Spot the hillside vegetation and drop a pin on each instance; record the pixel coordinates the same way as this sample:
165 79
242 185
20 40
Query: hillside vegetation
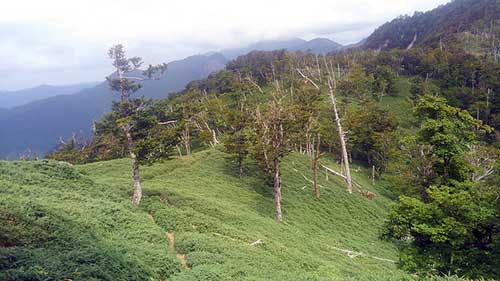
449 26
59 221
57 224
228 176
407 116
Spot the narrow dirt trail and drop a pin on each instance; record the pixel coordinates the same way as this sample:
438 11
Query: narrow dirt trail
171 243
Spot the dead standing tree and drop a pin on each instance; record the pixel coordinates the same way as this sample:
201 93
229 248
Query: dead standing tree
332 90
186 138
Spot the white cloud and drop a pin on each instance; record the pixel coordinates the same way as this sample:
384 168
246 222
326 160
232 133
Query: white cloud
37 38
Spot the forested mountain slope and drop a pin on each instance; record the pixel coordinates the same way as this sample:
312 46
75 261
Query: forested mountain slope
442 25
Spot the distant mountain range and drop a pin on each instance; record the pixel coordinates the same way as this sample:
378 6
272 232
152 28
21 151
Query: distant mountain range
9 99
36 118
317 46
37 126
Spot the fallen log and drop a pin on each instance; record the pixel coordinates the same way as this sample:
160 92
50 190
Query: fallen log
357 185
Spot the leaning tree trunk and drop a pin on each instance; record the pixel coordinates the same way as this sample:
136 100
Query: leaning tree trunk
277 190
137 195
332 88
345 156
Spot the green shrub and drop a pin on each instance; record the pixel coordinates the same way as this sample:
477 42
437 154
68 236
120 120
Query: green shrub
197 258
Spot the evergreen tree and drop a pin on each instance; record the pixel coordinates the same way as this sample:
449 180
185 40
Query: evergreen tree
128 112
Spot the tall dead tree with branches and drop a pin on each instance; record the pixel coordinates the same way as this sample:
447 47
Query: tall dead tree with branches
331 81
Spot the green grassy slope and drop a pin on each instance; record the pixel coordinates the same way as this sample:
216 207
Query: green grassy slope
56 223
401 105
215 216
59 221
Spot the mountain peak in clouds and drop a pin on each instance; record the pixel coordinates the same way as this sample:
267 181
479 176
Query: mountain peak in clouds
264 45
319 46
316 46
268 45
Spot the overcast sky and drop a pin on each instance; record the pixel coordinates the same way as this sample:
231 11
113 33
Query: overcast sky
65 41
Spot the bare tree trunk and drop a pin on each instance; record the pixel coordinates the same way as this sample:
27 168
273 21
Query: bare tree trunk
179 150
214 138
277 190
373 174
214 141
332 86
137 195
186 139
345 157
315 165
